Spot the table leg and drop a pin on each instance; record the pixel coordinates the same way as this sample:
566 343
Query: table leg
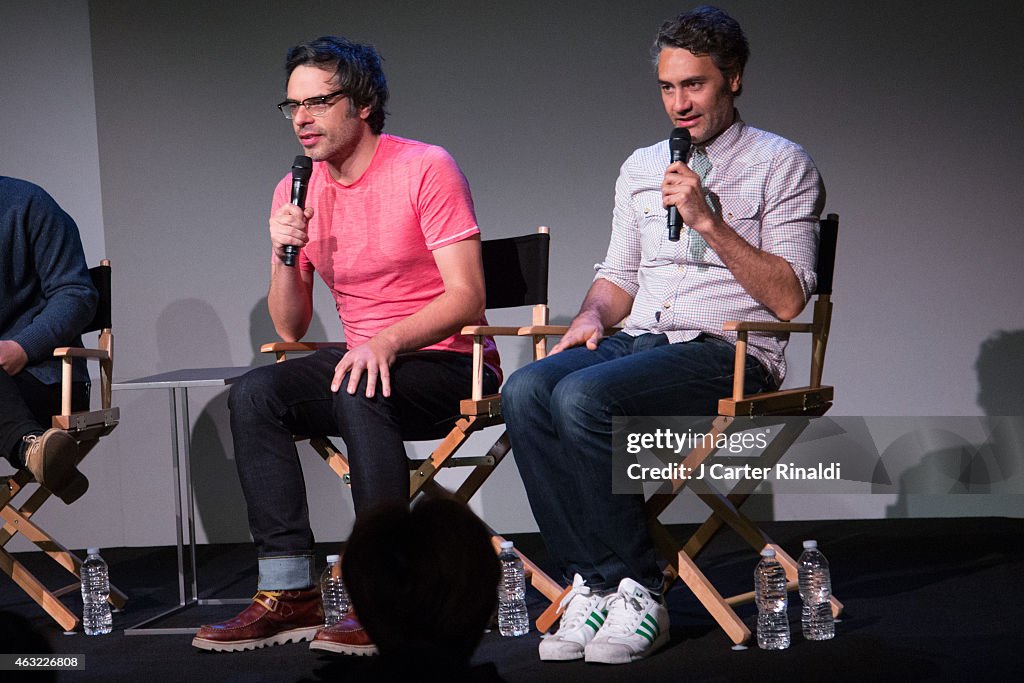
185 599
190 509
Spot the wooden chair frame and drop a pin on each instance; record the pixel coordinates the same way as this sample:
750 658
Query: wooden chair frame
808 401
476 412
86 427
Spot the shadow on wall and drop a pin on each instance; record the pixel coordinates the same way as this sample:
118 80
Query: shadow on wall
1000 368
988 474
190 334
261 331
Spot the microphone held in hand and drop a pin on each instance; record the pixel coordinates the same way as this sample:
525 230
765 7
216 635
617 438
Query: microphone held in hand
302 169
678 145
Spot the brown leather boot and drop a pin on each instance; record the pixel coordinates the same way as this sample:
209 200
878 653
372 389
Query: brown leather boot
52 458
345 637
273 618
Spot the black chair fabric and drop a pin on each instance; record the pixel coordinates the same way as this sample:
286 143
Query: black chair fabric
101 281
516 270
829 234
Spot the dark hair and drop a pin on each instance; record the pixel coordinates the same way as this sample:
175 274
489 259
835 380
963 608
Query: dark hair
357 71
707 31
423 582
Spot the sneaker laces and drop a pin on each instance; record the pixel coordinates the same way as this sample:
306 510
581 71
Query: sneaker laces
621 620
573 614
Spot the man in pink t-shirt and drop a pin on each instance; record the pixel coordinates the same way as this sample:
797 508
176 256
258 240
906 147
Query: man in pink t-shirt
389 226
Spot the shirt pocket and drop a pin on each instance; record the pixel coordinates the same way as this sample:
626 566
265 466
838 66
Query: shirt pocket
655 248
744 216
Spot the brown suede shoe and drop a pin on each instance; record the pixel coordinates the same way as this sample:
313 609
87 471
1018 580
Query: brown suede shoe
273 618
52 457
347 637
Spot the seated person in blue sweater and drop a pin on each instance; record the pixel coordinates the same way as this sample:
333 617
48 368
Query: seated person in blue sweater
46 298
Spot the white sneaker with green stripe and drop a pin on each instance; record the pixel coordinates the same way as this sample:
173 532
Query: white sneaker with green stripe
583 616
636 626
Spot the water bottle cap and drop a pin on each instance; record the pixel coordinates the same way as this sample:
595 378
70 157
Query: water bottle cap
505 545
92 551
810 544
331 559
768 552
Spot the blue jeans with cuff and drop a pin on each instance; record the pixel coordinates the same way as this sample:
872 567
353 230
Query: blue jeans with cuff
559 414
270 404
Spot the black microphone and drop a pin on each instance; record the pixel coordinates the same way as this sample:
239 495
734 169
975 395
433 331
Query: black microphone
302 169
678 145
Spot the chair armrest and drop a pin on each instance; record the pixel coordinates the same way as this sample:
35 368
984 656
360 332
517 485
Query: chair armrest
555 330
754 326
66 354
548 330
489 330
75 352
284 347
742 327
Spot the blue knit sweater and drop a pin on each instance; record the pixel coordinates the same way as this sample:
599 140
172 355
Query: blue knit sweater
46 295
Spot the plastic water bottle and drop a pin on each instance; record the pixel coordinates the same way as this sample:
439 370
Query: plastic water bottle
770 595
513 619
815 592
333 591
96 619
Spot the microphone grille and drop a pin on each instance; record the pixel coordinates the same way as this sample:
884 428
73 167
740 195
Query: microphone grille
679 140
302 167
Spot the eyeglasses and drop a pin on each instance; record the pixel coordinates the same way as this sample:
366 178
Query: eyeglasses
316 106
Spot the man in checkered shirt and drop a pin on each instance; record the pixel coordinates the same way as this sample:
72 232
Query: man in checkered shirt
747 252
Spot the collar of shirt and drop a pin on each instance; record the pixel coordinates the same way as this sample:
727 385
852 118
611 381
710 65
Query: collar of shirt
720 148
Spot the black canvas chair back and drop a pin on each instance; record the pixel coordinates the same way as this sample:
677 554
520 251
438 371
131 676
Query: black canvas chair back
516 270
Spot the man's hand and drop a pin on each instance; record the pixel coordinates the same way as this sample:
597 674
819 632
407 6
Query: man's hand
768 278
681 188
12 357
288 227
374 358
585 328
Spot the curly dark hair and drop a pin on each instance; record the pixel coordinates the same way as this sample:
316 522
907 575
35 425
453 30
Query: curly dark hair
707 31
357 71
424 582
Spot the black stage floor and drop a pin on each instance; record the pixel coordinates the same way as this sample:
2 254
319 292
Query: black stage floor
934 599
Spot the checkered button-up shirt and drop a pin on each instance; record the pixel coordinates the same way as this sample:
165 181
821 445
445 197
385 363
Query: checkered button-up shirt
765 187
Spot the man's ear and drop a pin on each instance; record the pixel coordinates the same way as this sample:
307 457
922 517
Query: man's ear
735 83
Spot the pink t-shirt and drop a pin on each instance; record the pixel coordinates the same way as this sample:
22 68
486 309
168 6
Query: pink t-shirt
371 241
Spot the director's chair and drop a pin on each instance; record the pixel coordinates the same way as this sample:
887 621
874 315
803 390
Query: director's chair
516 275
798 405
86 427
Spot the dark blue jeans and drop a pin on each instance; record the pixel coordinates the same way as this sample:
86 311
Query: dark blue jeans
559 415
270 404
27 406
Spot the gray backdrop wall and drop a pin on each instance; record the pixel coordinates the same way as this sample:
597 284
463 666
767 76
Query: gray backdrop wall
153 124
